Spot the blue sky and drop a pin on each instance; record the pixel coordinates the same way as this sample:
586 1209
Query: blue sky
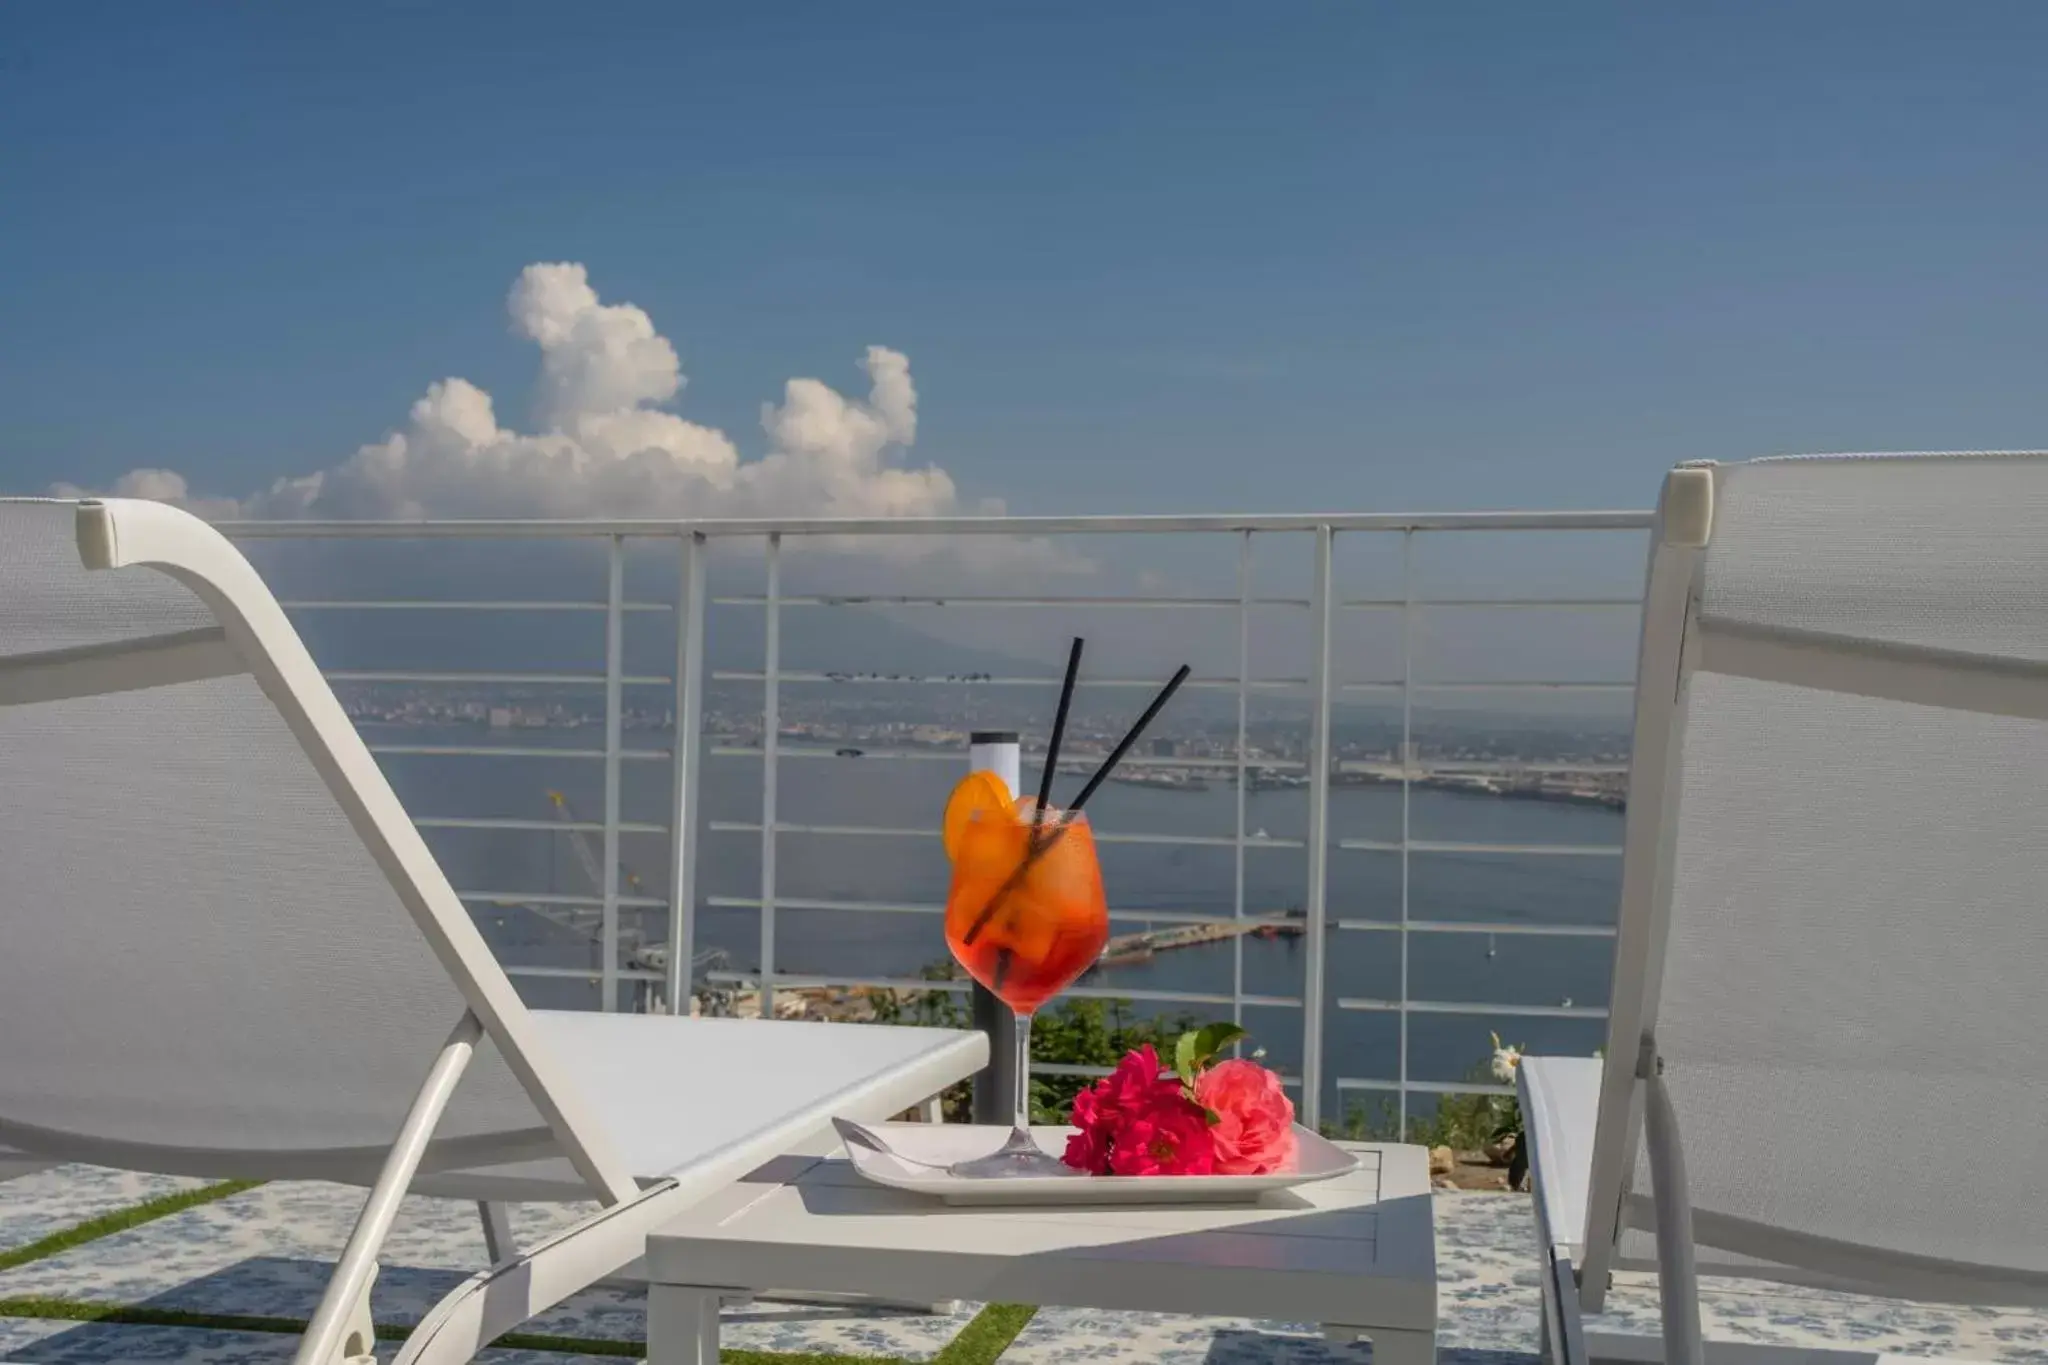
1141 257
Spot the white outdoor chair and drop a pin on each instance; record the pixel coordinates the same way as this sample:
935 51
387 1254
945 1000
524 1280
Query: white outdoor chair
226 952
1828 976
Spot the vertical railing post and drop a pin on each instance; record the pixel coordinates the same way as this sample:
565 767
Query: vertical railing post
1407 787
685 764
771 728
1318 831
1244 666
994 1099
614 672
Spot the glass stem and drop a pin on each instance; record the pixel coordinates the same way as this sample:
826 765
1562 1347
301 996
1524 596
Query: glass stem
1023 1127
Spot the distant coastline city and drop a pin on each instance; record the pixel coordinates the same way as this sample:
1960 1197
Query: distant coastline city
1543 759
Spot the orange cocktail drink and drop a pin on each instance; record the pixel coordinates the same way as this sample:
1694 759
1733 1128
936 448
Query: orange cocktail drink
1026 914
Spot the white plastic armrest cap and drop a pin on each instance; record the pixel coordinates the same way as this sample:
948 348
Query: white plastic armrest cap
1688 510
94 527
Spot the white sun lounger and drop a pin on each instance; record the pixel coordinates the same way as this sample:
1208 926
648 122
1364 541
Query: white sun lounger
226 952
1831 973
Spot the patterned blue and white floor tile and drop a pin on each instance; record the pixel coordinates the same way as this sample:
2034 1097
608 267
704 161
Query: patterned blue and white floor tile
1487 1310
266 1252
26 1341
36 1205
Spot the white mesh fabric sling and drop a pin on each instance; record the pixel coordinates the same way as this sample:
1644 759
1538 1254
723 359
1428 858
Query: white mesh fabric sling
1834 918
229 953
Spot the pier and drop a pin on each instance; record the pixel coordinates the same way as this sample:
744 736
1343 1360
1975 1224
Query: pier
1140 947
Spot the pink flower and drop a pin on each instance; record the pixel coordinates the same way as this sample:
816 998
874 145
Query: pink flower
1137 1121
1171 1138
1088 1149
1138 1081
1254 1129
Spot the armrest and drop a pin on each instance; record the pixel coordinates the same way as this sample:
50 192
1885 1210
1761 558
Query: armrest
1560 1101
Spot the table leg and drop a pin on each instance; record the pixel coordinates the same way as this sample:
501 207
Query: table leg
1401 1348
498 1244
682 1325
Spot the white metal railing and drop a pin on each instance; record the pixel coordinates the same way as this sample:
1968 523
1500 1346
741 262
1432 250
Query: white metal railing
686 684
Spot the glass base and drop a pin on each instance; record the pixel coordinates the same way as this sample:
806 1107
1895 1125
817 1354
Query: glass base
1017 1158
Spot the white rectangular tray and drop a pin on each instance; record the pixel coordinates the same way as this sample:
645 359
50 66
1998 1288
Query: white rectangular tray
945 1143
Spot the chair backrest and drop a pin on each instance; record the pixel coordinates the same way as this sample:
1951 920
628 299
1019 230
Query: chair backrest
218 933
1835 909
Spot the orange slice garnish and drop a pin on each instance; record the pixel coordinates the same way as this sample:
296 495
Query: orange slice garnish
980 792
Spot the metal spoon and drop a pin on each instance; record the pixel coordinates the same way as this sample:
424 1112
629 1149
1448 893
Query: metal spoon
860 1135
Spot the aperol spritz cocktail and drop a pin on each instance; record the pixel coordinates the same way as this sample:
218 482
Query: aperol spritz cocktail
1025 917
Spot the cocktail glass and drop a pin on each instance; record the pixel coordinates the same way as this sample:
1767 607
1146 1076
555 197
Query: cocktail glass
1026 915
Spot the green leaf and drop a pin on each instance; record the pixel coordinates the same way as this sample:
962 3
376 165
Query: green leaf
1212 1039
1184 1060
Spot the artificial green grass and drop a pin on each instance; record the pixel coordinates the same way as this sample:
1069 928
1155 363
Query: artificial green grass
120 1220
980 1342
72 1310
988 1336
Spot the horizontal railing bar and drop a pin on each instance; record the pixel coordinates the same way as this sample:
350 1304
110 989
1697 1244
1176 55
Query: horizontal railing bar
463 529
1490 927
990 680
1391 774
938 600
899 832
1426 1087
1253 917
981 600
935 908
1074 765
452 604
1524 685
1372 1005
1533 850
939 526
1039 1068
853 831
825 903
1181 997
539 826
1424 685
1521 767
590 974
557 898
512 751
1459 846
459 676
801 980
1518 603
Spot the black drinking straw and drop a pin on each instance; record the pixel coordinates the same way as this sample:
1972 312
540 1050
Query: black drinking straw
1059 730
1052 763
1038 849
1123 746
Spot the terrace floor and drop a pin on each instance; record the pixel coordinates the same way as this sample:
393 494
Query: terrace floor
99 1266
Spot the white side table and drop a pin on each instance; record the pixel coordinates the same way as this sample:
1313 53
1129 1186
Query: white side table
1357 1254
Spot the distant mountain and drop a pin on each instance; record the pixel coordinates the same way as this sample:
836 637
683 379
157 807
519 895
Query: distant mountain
560 634
844 640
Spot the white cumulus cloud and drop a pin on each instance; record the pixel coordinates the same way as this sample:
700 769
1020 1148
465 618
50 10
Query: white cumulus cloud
605 444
